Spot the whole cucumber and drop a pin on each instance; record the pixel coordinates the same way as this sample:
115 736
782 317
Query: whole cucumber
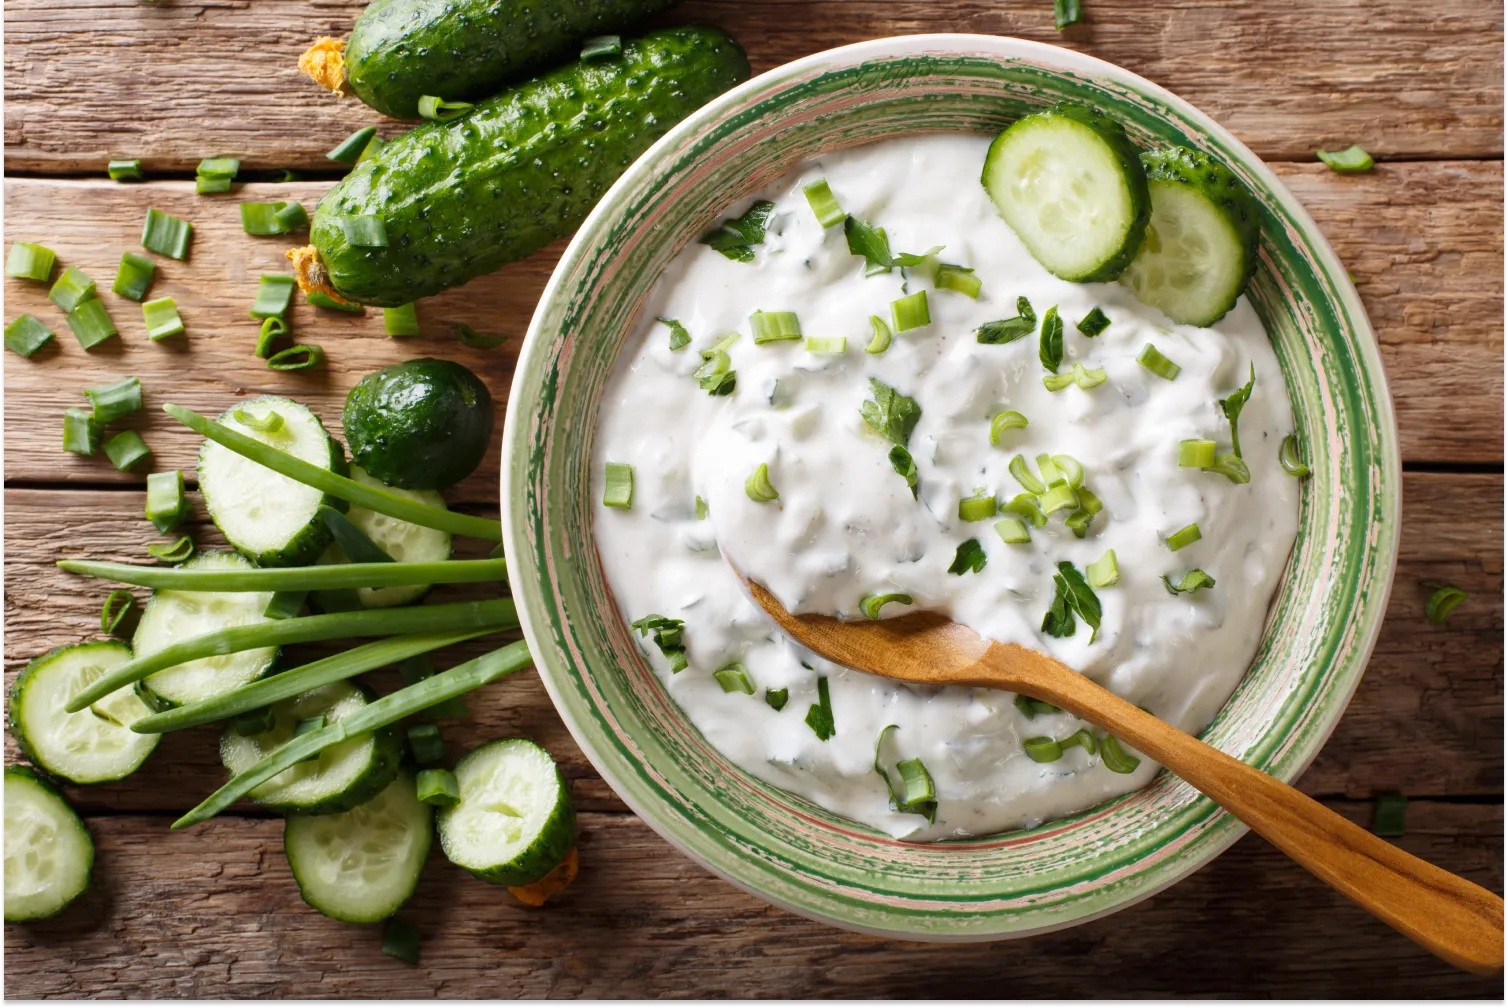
401 50
461 198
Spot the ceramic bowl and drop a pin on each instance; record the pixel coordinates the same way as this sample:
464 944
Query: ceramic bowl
1320 629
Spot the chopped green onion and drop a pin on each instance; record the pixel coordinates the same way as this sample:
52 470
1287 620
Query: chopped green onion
1094 323
134 276
1104 572
1059 498
119 608
432 107
734 678
290 216
1066 12
973 509
917 794
1190 582
401 321
426 743
1388 815
269 423
826 344
701 509
1115 757
470 337
297 358
1057 382
1288 457
81 431
400 940
215 175
1009 420
364 230
969 558
166 235
30 262
1012 531
680 338
172 553
771 327
823 203
910 312
880 341
263 219
1070 469
437 787
1084 377
1032 707
819 716
871 605
777 698
126 449
1042 749
1442 603
372 149
274 295
72 289
162 318
115 400
1196 453
1022 471
618 489
91 324
1027 507
165 501
667 637
1050 343
1232 468
349 149
1352 159
26 335
319 299
1078 523
274 328
1186 536
917 782
125 170
598 46
758 485
1051 474
254 722
736 237
1153 360
957 278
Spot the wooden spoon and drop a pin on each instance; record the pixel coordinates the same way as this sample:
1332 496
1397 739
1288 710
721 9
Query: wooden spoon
1457 920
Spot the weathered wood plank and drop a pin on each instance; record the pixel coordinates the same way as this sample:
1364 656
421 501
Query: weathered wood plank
91 79
214 912
1423 240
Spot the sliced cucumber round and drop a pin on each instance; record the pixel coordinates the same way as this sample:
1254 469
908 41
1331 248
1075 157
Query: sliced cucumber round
1201 244
404 541
361 866
339 778
49 854
172 616
267 516
94 745
514 821
1069 183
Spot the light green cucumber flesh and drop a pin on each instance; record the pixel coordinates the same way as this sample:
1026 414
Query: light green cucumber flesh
49 854
1193 264
404 541
514 821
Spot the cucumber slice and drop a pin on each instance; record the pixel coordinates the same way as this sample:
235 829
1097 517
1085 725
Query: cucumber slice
361 866
49 854
401 540
514 821
172 616
339 778
1201 244
94 745
1070 185
267 516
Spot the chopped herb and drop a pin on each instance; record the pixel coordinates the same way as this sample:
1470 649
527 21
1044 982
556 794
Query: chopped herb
118 613
819 716
772 327
1104 572
91 324
134 276
437 787
1196 453
291 216
470 337
1023 323
166 505
1043 748
1066 12
1085 378
826 344
297 358
125 170
667 637
72 289
957 278
262 218
1442 603
26 335
1031 707
866 240
1050 345
902 462
737 236
401 321
820 196
1231 467
126 449
880 341
161 318
1152 359
274 328
1027 507
1094 323
1079 595
758 486
1009 420
351 147
1115 757
172 553
274 295
1186 536
777 698
618 489
734 678
1290 459
214 175
1012 531
1190 582
679 337
81 431
30 262
1021 469
1352 159
871 605
917 794
969 558
910 312
166 235
115 400
890 414
268 423
980 508
1232 405
432 107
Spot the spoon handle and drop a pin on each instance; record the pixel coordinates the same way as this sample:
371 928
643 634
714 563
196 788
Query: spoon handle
1457 920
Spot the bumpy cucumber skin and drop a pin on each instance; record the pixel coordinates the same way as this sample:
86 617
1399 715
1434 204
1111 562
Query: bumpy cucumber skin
1220 186
548 849
26 777
461 198
423 424
459 50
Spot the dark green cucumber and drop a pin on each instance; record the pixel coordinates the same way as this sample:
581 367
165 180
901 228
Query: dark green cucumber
461 198
459 50
421 425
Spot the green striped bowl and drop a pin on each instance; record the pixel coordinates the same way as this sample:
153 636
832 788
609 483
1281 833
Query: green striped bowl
786 850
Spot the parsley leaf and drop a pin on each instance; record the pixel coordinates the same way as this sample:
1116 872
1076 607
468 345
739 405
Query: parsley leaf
737 236
1072 595
1232 406
819 716
1011 329
1094 323
970 558
1050 348
1058 620
1190 582
913 773
679 337
904 464
890 414
866 240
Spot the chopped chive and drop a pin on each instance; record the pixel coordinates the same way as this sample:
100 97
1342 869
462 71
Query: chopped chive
1012 531
1088 501
957 278
917 785
618 489
910 312
297 358
290 216
432 107
1026 507
165 501
758 485
1153 360
820 196
274 328
1196 453
115 400
598 46
162 318
30 262
1042 749
1232 467
214 175
1078 523
1115 757
1059 498
1009 420
1050 342
470 337
125 170
1442 603
1023 323
1388 815
172 553
734 678
1066 12
1051 475
26 335
879 342
1083 738
1186 536
72 289
826 344
1094 323
917 794
364 230
166 235
91 323
349 149
134 276
261 218
81 431
1070 469
969 558
1190 582
437 787
269 423
1057 382
116 615
1352 159
319 299
772 327
274 295
126 449
401 941
871 605
973 509
1021 469
401 321
680 338
1289 458
426 743
1104 572
1087 378
819 716
1032 707
777 698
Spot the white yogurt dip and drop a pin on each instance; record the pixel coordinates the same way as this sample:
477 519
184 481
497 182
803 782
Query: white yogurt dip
845 524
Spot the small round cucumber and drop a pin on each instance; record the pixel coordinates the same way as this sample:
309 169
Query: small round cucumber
421 425
514 821
94 745
49 854
1070 185
404 541
360 866
1201 244
339 778
172 616
267 516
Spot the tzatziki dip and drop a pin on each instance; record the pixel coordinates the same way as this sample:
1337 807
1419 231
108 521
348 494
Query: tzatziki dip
865 441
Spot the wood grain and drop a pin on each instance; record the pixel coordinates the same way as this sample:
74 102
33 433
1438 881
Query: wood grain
213 912
173 82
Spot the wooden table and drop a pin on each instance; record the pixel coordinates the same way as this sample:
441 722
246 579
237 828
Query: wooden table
213 912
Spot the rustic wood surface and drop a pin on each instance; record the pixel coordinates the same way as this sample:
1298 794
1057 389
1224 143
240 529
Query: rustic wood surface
212 912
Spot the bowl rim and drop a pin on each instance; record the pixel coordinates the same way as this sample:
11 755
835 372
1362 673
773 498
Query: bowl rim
1224 829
